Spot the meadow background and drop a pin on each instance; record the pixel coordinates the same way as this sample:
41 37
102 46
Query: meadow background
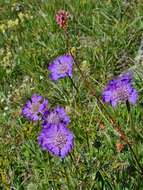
105 36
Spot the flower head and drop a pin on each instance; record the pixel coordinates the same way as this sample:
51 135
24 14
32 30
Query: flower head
55 117
61 67
62 19
35 107
120 90
58 140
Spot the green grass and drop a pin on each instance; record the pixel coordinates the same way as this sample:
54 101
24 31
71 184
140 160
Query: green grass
106 35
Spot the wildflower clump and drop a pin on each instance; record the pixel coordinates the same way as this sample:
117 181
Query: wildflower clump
23 16
2 28
54 137
9 25
12 23
7 61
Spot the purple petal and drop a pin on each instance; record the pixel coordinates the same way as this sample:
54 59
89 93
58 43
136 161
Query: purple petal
120 90
36 98
43 106
133 97
127 77
50 138
106 96
35 107
114 103
61 61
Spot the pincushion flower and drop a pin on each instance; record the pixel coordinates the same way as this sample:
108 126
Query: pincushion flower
120 90
62 19
55 117
35 107
58 140
61 67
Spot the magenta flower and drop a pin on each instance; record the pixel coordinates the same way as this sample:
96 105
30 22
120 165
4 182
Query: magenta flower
120 90
58 140
35 107
55 117
62 19
61 67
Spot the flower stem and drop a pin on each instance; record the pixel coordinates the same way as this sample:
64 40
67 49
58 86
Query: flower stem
72 82
53 181
128 106
136 159
67 39
66 175
133 133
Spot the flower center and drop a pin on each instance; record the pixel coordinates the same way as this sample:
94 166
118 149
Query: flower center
35 107
63 68
121 94
60 140
63 17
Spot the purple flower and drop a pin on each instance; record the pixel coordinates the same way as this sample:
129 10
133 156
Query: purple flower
61 67
120 90
58 140
55 117
35 107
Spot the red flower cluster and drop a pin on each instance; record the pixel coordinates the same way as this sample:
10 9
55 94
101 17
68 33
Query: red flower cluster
62 19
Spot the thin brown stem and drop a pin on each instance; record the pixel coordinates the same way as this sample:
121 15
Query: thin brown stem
67 39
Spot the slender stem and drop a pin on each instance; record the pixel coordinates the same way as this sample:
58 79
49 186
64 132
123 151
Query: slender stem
87 139
130 118
128 106
66 175
74 161
134 132
87 83
136 159
50 164
67 39
72 82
